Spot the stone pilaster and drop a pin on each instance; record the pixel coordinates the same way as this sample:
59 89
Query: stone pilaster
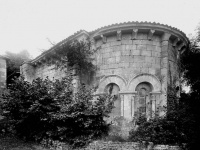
164 70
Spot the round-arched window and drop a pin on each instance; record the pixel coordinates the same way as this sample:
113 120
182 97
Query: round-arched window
113 89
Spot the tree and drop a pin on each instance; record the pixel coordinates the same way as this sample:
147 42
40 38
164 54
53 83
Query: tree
191 75
14 62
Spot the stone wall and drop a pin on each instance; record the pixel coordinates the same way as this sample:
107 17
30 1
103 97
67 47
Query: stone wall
3 74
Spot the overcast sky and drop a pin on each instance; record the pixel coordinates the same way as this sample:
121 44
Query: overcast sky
28 24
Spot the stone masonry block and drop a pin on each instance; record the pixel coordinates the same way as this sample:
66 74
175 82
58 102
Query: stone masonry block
155 54
116 48
111 60
123 47
130 47
151 47
131 59
113 66
149 59
124 58
158 49
136 70
111 38
156 43
127 42
155 65
139 58
118 59
135 52
147 65
165 43
126 36
117 53
142 36
163 65
145 53
114 43
126 52
157 61
141 47
106 55
144 70
164 48
164 53
156 38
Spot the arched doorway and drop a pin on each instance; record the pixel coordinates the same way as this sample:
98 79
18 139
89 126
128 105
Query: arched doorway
142 100
113 89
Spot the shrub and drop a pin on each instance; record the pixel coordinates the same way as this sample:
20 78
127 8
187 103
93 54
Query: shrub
51 110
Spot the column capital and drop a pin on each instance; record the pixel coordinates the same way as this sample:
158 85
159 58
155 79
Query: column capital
119 35
134 34
104 40
150 35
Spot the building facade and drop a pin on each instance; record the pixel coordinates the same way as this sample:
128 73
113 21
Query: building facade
136 62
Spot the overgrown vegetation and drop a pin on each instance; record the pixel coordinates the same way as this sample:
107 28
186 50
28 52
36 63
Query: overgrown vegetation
47 110
74 54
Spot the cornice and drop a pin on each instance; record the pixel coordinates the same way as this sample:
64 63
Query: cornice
139 25
134 25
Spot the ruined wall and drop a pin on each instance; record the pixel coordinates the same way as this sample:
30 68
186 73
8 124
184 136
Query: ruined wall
3 74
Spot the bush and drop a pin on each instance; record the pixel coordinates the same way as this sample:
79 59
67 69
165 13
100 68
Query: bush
47 110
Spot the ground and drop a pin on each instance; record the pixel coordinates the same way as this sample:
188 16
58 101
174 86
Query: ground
12 143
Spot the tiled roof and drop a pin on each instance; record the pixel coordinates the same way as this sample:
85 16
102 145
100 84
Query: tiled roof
137 23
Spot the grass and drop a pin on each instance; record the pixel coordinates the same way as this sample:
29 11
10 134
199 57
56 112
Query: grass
9 142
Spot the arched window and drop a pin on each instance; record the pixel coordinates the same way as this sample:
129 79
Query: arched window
113 89
142 101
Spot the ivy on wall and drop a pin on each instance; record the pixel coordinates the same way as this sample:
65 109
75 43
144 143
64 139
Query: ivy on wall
73 55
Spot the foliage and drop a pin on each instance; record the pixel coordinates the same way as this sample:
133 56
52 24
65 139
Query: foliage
166 129
51 110
160 130
191 73
74 54
14 62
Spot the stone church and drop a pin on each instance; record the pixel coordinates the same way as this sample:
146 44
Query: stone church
136 61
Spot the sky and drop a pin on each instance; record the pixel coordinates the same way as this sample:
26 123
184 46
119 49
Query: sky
33 25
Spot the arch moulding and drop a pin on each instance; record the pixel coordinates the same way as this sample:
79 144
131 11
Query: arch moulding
121 82
153 80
